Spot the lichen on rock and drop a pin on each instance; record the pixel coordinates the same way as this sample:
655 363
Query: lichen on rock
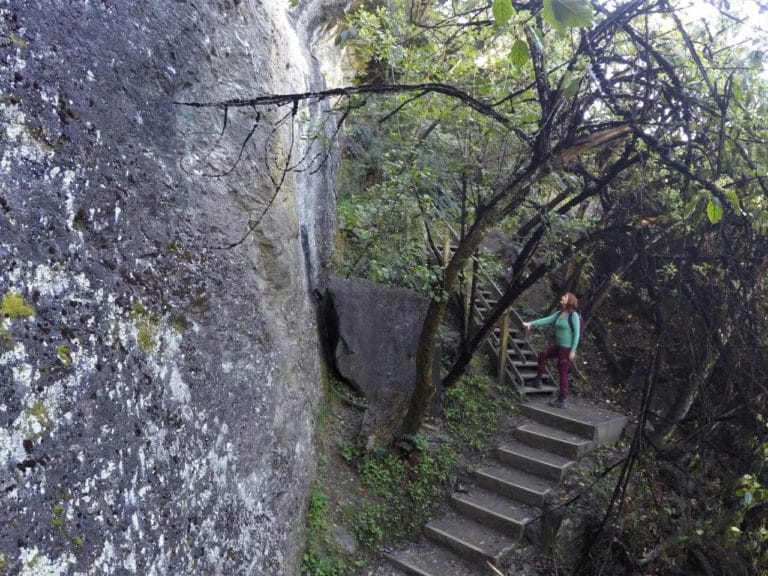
13 306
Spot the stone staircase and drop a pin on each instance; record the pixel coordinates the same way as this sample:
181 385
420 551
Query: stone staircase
507 495
489 517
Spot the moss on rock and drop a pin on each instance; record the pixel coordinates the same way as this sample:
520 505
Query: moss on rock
14 306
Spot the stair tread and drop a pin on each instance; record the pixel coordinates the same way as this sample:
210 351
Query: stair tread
544 389
430 559
498 504
556 433
488 542
517 447
517 477
579 412
596 423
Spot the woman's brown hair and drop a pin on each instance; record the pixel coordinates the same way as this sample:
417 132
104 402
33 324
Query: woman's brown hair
571 302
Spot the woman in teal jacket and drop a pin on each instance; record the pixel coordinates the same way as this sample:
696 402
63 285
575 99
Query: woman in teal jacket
567 330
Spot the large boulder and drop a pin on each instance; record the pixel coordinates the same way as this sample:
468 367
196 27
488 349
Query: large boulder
159 365
373 332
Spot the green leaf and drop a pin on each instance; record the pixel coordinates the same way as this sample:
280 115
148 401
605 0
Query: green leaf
569 86
520 54
714 211
731 194
562 14
502 11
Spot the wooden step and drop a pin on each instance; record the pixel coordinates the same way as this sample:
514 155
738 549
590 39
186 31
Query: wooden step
597 424
534 460
553 440
545 390
513 333
492 509
516 484
469 539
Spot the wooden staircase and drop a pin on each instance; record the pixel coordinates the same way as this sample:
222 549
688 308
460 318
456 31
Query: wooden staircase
486 520
516 358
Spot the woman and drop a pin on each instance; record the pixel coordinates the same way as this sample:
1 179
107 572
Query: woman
567 330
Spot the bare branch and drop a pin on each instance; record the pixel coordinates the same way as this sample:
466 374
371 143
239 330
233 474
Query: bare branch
282 99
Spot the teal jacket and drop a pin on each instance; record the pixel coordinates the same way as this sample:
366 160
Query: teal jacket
564 336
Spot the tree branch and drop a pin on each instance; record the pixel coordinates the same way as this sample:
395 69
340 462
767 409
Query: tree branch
282 99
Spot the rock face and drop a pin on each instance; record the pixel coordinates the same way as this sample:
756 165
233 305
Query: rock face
373 332
159 365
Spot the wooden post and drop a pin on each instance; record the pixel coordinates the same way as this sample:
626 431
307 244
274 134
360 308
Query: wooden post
446 247
467 297
503 346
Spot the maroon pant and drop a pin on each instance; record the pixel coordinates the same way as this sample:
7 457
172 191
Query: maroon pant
563 365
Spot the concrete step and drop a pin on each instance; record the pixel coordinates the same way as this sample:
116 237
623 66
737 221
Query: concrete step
516 484
492 509
553 440
534 460
597 424
469 539
431 559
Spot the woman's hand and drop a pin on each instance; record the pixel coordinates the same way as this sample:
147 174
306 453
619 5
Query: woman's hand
527 325
572 355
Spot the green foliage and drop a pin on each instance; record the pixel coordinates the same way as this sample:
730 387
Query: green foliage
369 524
520 54
383 472
562 14
432 473
13 306
404 492
714 211
751 537
321 558
472 411
502 11
349 451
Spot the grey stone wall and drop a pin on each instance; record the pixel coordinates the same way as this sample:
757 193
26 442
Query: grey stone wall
158 356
